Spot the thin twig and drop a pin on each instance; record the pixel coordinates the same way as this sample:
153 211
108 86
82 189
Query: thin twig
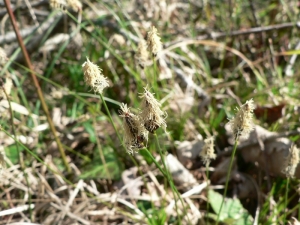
36 84
219 35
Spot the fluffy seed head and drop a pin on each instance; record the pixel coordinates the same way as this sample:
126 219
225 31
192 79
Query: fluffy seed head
58 4
93 77
141 55
76 5
207 152
7 86
134 133
242 124
291 162
152 116
153 41
3 56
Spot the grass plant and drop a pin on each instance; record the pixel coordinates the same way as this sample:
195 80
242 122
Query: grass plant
84 145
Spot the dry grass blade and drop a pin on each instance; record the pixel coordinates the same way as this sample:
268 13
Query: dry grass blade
16 210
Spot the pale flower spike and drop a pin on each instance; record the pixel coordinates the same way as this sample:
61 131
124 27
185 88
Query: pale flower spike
134 133
152 116
3 56
76 5
207 153
291 162
142 54
58 4
153 41
93 77
242 124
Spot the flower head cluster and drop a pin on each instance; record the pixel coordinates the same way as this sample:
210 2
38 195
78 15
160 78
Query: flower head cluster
137 127
93 77
58 4
152 116
241 124
76 5
153 41
134 133
207 152
291 162
141 55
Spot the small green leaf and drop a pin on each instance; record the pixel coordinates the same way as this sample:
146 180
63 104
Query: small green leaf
219 118
292 52
108 171
89 128
145 156
12 153
232 211
96 169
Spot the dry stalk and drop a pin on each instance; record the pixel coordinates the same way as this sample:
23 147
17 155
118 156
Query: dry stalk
36 84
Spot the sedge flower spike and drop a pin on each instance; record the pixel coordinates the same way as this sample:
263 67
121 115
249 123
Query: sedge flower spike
3 56
134 133
207 152
58 4
93 77
142 55
242 124
291 162
153 41
152 116
76 5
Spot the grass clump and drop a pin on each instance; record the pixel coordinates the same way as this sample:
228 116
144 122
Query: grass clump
103 158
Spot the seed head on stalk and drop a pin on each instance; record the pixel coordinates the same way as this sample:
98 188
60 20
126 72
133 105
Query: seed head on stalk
242 123
152 116
93 77
134 133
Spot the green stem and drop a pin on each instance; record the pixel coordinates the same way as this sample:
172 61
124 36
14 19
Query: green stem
298 211
36 157
170 180
101 154
120 139
207 202
286 199
228 177
21 162
37 85
111 121
154 161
